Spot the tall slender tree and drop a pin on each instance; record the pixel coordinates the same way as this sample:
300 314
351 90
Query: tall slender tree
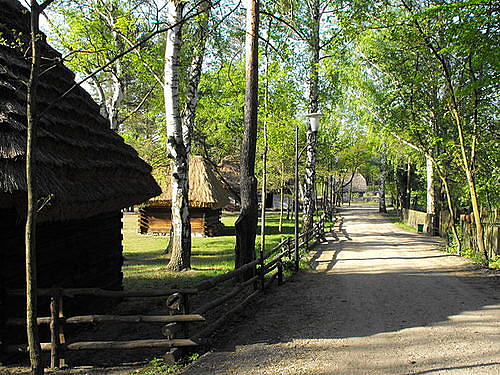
31 216
32 195
181 239
246 224
310 170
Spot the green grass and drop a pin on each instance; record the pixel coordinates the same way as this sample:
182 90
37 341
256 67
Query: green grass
157 367
392 216
145 265
405 226
495 264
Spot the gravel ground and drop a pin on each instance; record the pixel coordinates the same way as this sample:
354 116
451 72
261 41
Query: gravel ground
382 301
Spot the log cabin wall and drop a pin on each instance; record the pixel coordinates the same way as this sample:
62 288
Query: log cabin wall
157 220
70 254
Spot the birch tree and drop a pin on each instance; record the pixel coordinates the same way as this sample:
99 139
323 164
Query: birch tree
92 34
310 170
383 175
181 227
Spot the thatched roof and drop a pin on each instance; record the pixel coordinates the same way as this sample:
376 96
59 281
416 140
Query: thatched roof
85 165
358 183
205 189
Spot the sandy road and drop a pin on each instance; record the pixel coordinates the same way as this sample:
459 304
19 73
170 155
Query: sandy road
383 301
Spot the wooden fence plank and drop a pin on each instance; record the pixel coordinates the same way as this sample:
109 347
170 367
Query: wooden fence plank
116 319
99 345
103 293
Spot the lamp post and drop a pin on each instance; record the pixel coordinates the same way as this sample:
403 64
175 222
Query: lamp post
314 124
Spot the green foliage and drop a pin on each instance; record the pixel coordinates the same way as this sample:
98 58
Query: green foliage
219 118
416 59
157 366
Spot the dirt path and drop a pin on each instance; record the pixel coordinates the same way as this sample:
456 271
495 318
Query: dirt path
383 301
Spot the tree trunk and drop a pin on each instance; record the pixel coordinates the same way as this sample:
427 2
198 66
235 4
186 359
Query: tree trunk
350 191
246 225
472 187
451 212
31 215
408 184
288 200
264 188
282 210
310 170
181 240
194 75
381 191
431 196
115 102
264 156
117 96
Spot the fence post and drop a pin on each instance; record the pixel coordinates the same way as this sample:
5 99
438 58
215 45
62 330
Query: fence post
177 304
62 339
54 330
280 272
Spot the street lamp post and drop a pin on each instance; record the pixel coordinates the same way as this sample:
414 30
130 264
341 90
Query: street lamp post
314 124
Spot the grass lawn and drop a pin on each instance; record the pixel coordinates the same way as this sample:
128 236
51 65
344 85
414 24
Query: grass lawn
145 261
394 217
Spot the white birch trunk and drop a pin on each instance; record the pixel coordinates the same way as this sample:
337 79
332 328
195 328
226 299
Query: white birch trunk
431 199
116 99
381 191
115 102
181 240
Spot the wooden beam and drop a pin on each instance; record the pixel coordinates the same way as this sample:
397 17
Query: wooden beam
103 293
115 319
118 345
210 283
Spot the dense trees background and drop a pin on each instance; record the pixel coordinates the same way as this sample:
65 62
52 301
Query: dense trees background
409 90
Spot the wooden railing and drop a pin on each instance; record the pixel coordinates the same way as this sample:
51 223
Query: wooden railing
268 268
57 321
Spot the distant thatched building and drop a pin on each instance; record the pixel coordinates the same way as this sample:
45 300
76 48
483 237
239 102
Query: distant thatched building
84 170
207 197
356 185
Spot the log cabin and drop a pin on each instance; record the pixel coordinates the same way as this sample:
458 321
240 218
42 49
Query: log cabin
83 171
207 197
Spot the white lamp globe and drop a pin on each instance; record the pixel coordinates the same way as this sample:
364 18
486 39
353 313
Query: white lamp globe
314 120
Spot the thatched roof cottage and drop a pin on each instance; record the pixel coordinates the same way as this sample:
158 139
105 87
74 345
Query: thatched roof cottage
85 168
358 183
207 197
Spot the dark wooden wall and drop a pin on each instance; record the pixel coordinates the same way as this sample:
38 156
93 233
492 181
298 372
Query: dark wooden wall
70 254
157 219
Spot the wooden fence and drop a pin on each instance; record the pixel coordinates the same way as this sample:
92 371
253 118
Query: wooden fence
179 315
466 224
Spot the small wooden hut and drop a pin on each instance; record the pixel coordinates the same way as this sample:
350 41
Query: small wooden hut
207 197
83 171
